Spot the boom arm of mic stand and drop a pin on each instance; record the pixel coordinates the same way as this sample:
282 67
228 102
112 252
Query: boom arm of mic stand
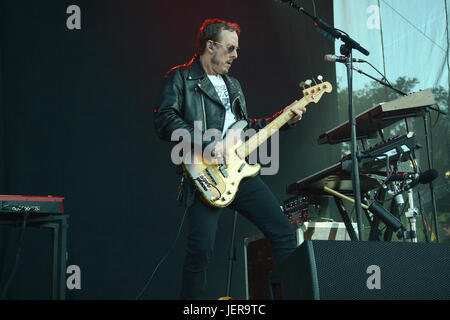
379 81
350 43
333 33
336 34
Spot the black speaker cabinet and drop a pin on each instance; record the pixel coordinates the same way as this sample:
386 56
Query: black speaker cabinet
258 254
361 270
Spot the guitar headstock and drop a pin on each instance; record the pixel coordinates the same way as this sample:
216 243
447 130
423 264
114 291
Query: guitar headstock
315 93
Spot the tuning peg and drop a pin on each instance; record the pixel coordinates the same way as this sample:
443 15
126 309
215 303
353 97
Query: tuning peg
308 82
315 83
302 85
320 78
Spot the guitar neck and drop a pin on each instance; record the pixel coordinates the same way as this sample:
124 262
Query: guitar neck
311 94
259 138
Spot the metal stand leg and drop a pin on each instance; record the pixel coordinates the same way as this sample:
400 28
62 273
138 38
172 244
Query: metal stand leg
59 257
430 166
346 219
55 278
59 226
62 241
232 255
347 51
425 231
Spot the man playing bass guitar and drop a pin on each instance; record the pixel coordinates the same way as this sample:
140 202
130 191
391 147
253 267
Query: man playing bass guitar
202 90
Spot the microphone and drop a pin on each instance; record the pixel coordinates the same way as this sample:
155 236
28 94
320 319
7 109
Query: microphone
425 178
335 58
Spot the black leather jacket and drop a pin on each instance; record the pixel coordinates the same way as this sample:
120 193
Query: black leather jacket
188 95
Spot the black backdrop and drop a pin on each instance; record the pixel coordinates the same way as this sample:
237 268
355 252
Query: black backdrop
76 121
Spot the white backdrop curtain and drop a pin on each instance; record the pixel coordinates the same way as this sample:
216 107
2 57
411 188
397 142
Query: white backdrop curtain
409 40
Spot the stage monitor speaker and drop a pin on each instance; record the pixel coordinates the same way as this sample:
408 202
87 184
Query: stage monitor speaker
361 270
258 254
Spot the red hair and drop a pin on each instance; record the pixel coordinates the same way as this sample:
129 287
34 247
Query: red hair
211 29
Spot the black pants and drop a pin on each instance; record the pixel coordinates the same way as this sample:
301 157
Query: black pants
256 202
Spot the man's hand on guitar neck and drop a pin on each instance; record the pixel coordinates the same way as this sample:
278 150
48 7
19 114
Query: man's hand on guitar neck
298 113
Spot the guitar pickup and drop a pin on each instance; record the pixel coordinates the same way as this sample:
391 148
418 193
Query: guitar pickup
204 183
212 175
223 170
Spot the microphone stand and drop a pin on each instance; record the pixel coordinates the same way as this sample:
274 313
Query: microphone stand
430 166
346 49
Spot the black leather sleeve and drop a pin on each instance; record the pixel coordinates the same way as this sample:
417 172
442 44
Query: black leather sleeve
168 115
258 124
168 112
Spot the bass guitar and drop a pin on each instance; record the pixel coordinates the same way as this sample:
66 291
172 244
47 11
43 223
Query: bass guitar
218 183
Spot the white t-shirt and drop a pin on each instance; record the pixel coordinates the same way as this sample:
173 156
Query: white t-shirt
222 91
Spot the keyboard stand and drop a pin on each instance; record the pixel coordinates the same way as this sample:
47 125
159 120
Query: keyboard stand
58 223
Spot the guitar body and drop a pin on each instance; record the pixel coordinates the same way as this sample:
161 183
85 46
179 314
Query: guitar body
218 184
